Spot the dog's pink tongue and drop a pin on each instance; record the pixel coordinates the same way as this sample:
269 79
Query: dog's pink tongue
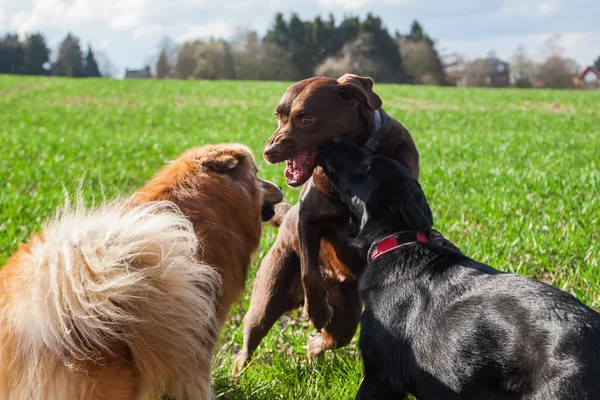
299 168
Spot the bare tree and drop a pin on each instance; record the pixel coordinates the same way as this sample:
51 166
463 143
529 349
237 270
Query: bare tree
105 65
421 61
523 68
163 69
205 60
186 61
455 66
477 73
356 57
258 60
168 50
551 47
557 72
215 61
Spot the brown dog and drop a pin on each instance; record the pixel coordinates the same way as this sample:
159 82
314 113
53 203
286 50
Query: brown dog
125 301
311 261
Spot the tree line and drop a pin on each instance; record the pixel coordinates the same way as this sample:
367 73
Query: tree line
31 56
294 49
555 70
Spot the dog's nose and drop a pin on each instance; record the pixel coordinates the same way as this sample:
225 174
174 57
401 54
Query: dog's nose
272 153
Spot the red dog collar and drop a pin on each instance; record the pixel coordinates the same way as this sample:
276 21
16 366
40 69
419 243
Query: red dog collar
393 242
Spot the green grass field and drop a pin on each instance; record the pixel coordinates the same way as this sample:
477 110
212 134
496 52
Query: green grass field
512 177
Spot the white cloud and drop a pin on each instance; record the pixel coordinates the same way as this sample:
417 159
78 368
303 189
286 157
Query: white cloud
2 15
123 14
344 4
146 31
104 44
547 8
217 29
125 21
44 13
82 10
398 1
537 8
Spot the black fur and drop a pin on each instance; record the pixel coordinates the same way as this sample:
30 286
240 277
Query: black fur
440 325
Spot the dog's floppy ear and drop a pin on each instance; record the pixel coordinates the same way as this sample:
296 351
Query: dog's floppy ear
353 87
415 208
221 163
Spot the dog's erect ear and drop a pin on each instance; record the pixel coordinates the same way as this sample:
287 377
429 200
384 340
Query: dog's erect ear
221 163
353 87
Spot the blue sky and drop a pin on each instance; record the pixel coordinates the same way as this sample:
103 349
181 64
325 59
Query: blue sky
128 31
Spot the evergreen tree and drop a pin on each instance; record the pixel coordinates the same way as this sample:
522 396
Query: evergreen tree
416 31
91 67
384 47
597 63
278 34
12 55
420 56
70 58
309 43
349 29
36 54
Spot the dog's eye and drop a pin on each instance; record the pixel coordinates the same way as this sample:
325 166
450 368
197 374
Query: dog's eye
306 120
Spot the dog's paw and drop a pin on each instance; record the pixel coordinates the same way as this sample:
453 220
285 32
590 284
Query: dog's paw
315 345
239 363
320 316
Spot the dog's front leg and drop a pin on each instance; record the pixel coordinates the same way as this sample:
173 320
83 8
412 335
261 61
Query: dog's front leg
377 390
316 305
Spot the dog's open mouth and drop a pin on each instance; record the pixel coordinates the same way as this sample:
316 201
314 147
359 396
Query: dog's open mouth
300 168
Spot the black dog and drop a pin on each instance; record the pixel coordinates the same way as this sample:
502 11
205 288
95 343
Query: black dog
440 325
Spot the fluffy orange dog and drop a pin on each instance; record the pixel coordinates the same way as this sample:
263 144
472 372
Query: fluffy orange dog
125 301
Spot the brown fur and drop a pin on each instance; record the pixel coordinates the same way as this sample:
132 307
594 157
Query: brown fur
218 191
311 261
229 233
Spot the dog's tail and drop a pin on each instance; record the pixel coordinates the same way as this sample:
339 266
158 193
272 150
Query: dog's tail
119 276
281 210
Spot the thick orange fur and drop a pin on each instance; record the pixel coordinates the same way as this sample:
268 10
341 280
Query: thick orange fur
118 302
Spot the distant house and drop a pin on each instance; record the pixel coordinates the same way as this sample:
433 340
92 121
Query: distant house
488 72
589 78
138 73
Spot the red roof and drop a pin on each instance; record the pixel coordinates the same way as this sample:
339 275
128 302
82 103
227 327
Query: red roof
585 71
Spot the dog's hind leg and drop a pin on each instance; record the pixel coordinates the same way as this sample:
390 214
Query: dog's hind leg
277 289
347 307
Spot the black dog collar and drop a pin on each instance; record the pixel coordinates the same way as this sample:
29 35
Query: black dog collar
394 242
373 142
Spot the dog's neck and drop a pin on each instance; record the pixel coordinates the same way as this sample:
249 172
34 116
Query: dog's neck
406 264
395 242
